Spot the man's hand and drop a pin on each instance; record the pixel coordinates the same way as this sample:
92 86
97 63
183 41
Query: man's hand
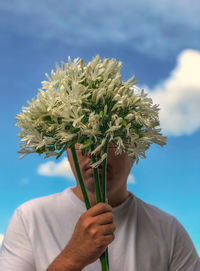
93 232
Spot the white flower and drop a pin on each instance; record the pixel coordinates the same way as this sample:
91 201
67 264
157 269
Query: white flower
89 102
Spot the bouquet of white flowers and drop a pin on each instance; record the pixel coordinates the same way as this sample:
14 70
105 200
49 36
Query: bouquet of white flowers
90 105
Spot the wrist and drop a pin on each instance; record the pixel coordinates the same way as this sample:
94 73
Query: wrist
70 263
64 263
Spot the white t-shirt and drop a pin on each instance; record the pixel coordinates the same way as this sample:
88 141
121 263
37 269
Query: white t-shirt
146 238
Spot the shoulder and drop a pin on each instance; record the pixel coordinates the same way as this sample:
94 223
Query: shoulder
155 220
40 205
165 233
152 212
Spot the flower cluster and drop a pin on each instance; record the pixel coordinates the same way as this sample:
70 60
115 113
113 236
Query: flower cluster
89 104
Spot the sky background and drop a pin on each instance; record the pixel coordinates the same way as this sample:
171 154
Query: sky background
157 41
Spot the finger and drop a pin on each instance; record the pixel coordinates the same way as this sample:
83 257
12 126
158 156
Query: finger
103 219
107 239
99 208
108 229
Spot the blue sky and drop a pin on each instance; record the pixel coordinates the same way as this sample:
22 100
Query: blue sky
158 42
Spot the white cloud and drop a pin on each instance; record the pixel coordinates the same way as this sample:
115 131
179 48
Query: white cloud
1 239
131 179
121 22
179 96
53 169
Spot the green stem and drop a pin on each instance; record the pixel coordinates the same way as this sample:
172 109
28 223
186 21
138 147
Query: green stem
104 256
96 178
104 175
80 179
107 258
104 181
104 265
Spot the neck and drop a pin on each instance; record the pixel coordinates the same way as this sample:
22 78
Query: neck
115 198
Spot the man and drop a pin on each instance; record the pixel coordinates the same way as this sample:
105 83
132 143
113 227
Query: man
57 233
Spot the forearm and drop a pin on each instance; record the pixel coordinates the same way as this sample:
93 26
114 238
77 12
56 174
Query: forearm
63 263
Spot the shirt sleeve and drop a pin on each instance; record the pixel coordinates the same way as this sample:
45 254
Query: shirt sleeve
16 252
184 256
